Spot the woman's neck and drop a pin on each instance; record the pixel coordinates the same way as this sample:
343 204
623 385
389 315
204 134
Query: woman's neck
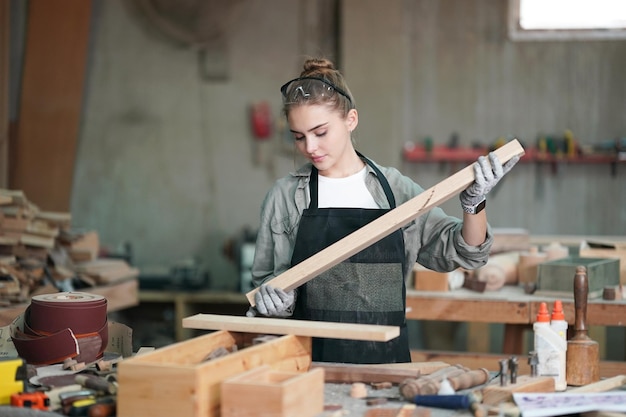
346 167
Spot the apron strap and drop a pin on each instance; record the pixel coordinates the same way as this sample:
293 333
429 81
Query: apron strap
383 181
381 178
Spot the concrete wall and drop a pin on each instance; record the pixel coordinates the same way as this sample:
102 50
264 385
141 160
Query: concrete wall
166 160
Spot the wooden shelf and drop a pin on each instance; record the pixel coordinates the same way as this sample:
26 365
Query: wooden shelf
119 296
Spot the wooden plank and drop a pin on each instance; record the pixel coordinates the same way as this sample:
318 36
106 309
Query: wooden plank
603 385
495 394
5 25
51 99
297 327
383 226
389 372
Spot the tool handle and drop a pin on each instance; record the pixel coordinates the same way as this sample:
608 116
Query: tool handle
581 292
449 402
469 379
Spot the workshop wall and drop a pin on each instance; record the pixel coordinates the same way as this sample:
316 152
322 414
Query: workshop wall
166 159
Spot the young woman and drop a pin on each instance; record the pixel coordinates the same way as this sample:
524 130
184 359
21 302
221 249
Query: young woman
338 191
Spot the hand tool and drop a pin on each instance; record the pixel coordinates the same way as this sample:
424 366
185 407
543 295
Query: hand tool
583 356
12 377
513 369
469 402
469 379
96 383
104 407
504 372
36 400
429 384
533 361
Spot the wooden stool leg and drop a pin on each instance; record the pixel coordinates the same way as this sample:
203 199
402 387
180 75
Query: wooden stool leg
513 343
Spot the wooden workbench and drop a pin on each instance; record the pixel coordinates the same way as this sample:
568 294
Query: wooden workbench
120 295
509 306
187 303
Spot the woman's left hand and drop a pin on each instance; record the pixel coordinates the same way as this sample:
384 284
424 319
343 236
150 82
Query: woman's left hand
487 174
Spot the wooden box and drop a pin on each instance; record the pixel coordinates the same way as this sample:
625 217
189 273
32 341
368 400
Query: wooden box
556 278
607 250
263 392
176 380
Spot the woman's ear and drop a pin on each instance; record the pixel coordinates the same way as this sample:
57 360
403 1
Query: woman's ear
352 120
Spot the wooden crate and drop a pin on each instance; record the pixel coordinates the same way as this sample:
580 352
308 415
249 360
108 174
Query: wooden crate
556 278
177 381
607 250
269 393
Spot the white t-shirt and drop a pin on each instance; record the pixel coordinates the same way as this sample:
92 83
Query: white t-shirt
345 192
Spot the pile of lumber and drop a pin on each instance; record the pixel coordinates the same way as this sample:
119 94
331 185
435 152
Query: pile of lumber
41 253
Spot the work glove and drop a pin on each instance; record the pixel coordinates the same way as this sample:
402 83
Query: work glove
486 177
273 302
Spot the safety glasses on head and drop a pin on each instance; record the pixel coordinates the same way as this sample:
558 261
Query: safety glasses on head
310 88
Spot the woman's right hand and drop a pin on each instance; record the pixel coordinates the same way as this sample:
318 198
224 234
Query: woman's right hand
274 302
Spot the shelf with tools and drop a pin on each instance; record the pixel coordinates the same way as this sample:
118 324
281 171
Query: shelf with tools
443 153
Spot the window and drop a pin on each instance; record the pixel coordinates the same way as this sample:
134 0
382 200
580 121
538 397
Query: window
567 19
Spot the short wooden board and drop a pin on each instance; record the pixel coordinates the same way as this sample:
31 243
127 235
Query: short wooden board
310 328
496 394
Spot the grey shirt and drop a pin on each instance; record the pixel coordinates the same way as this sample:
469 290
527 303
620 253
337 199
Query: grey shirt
433 239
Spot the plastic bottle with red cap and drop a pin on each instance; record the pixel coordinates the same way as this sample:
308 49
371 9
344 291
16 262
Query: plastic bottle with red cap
550 348
557 320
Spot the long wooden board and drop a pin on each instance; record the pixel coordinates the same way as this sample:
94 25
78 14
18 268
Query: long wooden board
267 325
383 226
386 372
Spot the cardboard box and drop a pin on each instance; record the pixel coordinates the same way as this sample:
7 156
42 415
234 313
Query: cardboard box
269 393
614 250
178 380
556 278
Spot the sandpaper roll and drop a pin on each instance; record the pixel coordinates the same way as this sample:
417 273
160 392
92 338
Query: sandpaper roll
64 325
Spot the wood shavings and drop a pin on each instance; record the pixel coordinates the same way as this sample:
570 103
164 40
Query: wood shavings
358 390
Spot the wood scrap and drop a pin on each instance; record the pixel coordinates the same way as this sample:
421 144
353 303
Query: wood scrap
602 385
494 393
346 372
500 270
34 247
358 390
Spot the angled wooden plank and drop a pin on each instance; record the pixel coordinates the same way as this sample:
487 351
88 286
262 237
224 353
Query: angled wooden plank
383 226
267 325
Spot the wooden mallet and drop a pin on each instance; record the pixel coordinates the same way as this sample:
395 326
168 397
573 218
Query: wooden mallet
583 359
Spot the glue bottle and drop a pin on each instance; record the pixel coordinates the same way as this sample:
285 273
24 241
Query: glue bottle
550 348
557 320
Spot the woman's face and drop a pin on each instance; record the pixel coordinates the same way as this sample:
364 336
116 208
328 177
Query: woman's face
323 137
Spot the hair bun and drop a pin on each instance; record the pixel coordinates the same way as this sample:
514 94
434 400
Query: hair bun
317 65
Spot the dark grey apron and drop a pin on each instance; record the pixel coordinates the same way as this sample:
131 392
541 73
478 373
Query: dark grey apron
366 288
